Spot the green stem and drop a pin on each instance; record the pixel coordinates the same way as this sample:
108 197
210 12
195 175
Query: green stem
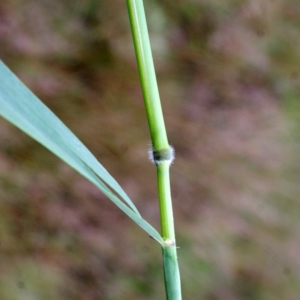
171 268
164 194
147 74
171 273
162 152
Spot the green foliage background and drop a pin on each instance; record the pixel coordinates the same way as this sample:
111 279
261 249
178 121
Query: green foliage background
228 73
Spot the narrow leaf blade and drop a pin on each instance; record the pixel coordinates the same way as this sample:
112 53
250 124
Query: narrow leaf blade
23 109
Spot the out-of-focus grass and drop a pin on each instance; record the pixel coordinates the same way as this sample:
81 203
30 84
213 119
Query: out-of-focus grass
228 76
31 280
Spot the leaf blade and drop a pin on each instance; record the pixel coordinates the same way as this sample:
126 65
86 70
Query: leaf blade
22 108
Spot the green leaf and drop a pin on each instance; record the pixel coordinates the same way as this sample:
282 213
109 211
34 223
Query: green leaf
23 109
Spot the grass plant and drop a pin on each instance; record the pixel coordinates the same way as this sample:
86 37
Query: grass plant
23 109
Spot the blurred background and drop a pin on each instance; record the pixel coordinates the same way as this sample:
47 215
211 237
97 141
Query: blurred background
229 80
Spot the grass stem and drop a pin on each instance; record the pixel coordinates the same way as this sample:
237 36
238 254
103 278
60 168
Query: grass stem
147 74
161 152
164 193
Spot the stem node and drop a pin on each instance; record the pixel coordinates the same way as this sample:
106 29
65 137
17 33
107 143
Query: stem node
163 155
168 243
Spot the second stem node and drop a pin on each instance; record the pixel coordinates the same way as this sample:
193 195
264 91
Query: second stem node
163 155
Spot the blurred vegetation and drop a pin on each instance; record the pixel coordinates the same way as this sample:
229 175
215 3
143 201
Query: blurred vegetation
228 73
